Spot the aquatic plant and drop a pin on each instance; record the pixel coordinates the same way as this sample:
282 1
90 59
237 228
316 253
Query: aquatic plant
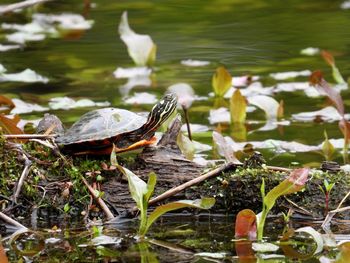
142 192
293 183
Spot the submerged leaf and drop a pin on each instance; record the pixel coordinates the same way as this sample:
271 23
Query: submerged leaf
141 48
221 81
238 107
204 203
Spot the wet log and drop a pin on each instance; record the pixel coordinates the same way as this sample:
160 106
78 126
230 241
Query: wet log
234 189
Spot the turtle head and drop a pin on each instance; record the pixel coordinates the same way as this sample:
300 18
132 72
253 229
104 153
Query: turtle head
160 113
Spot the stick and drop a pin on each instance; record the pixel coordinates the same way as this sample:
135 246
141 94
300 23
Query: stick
27 164
187 120
23 4
11 221
99 200
327 220
192 182
27 136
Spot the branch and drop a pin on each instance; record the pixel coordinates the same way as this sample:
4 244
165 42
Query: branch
27 164
99 200
177 189
20 5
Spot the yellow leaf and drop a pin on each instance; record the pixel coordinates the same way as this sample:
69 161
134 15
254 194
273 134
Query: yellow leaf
238 106
221 81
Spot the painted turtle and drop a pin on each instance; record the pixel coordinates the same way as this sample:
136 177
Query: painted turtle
96 131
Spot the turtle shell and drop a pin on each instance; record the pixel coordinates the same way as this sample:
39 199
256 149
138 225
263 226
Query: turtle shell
101 124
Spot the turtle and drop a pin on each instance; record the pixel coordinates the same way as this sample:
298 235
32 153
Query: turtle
99 131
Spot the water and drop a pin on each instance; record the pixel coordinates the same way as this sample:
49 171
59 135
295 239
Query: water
248 37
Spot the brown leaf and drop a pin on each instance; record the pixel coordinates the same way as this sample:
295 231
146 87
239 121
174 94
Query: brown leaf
8 125
6 102
328 57
317 80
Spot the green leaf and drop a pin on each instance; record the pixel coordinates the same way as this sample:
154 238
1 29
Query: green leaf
186 146
204 203
221 81
327 148
152 180
294 183
238 106
137 187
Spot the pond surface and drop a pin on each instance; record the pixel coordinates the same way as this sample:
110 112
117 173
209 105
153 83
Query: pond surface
255 37
248 37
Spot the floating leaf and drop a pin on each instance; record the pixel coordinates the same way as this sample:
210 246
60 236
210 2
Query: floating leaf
194 63
268 104
221 81
204 203
26 75
141 48
290 74
310 51
245 226
238 106
185 94
323 87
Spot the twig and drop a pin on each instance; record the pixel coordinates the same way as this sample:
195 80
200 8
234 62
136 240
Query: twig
28 136
327 220
11 221
192 182
187 120
23 4
343 200
27 164
99 200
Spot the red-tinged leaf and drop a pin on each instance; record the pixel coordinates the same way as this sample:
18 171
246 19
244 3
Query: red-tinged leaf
238 106
8 125
245 226
221 81
3 257
328 57
344 126
245 252
294 183
317 80
6 102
